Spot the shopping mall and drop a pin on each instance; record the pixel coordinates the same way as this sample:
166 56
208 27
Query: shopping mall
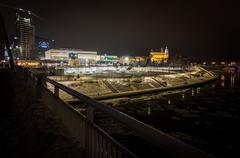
73 56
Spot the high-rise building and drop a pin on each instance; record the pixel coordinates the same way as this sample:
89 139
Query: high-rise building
25 33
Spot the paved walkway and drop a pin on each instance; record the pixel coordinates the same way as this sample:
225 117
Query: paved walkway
27 128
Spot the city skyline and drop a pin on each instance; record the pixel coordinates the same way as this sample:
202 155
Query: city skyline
194 29
109 78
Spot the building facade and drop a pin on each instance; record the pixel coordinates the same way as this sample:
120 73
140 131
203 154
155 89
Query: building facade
159 56
25 33
107 59
77 56
133 60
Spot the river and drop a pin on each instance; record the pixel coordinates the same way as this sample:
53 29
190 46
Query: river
205 117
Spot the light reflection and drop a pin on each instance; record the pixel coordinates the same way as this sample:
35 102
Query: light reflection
169 101
149 110
223 80
222 77
198 90
183 96
223 84
233 76
192 92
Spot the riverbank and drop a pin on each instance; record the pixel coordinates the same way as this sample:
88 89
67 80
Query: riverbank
204 116
175 85
155 90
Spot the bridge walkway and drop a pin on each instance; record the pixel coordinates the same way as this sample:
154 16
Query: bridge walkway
27 128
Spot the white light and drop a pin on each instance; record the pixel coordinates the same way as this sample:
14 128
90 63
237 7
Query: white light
169 101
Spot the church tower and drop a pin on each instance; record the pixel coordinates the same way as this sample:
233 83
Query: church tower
166 50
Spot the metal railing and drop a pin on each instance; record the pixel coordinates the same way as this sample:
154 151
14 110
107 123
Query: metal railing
95 140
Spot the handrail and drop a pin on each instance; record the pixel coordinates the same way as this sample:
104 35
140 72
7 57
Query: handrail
115 150
168 143
153 135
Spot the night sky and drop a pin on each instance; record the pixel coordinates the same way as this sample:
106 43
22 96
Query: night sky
197 28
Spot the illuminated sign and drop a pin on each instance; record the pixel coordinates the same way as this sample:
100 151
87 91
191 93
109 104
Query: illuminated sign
110 57
43 44
73 55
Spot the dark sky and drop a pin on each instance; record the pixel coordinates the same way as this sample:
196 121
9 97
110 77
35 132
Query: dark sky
196 28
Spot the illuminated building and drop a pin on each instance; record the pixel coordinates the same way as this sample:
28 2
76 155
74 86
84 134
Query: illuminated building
42 45
127 60
159 56
28 63
139 59
25 33
79 56
107 59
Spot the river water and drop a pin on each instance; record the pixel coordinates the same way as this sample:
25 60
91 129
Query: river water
206 117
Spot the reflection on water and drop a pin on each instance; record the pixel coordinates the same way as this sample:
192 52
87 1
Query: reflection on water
199 116
222 77
225 78
233 76
198 90
169 101
149 110
192 91
223 83
183 96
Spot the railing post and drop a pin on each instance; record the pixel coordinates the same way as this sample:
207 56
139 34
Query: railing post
24 72
39 85
56 91
90 113
88 140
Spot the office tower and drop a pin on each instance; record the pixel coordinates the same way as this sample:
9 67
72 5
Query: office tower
25 33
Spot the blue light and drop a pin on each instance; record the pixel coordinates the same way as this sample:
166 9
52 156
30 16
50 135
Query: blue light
43 44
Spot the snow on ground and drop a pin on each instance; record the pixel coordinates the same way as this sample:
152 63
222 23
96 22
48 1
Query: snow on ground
112 82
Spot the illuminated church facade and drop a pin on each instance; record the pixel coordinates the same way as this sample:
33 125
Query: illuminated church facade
159 56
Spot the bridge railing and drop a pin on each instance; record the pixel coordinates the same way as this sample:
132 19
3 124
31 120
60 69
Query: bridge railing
94 139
